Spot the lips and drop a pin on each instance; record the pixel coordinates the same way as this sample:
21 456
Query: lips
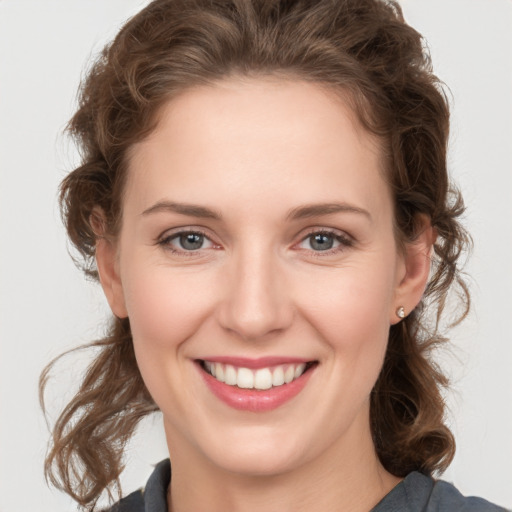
255 385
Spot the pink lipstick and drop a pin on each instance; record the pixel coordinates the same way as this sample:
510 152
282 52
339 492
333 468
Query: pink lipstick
256 385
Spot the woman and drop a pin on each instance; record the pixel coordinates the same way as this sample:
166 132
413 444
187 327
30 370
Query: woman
264 198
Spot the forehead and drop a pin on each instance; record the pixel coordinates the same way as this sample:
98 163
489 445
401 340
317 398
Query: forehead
292 139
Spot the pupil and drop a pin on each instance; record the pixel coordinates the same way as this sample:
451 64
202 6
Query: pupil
191 241
322 242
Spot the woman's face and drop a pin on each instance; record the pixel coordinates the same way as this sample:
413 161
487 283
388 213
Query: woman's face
257 243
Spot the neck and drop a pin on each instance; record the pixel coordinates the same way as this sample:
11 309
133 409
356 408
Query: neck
347 476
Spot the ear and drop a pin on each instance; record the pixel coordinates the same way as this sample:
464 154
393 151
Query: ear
414 269
107 262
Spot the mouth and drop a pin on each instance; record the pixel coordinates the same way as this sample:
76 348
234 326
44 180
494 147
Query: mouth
255 385
260 379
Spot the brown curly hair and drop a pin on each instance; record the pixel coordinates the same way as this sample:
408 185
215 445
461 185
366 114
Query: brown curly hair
362 48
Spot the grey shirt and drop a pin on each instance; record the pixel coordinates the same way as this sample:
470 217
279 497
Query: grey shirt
416 493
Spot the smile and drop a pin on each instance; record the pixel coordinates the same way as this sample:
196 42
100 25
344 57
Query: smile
256 386
263 378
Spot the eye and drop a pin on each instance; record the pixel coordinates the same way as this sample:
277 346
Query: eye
321 241
186 241
325 241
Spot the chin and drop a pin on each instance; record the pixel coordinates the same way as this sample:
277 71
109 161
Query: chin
258 463
262 454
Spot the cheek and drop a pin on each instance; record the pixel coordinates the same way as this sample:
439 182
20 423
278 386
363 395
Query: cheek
350 309
165 307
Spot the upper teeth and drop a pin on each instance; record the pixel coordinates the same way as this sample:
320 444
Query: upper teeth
263 378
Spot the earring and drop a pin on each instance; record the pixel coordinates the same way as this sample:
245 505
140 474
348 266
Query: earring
400 312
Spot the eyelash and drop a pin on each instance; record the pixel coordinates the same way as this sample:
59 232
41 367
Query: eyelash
343 240
166 240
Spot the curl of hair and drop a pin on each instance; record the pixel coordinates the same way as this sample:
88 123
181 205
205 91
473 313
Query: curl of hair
93 429
361 48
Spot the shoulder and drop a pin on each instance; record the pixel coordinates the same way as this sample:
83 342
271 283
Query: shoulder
153 498
446 497
418 492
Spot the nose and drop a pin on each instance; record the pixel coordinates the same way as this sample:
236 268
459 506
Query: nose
257 302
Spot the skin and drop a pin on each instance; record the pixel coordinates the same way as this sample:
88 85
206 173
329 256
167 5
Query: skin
254 151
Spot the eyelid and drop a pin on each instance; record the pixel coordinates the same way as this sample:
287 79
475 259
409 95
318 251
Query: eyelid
173 233
345 240
342 237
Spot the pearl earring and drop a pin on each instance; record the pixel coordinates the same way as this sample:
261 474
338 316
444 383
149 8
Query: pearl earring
400 312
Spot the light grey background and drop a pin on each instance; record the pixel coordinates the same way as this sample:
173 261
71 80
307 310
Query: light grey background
47 307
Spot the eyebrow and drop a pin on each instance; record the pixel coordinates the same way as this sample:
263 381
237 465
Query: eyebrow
317 210
192 210
301 212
